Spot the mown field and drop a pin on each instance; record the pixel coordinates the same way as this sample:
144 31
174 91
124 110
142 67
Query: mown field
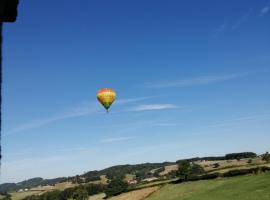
252 187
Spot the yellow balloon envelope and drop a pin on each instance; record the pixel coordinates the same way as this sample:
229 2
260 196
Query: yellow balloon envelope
106 97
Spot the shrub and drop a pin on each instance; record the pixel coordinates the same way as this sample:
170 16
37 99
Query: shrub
216 165
80 194
115 187
210 176
265 169
266 157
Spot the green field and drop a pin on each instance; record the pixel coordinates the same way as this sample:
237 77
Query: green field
252 187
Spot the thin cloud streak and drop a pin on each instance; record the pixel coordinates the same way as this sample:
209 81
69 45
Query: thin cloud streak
117 139
82 110
202 80
166 124
242 20
236 121
148 107
220 28
264 10
86 108
58 155
132 100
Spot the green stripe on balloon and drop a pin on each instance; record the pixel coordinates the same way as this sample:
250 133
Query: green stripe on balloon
106 105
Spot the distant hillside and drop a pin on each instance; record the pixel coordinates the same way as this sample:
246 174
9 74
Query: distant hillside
33 182
122 170
141 171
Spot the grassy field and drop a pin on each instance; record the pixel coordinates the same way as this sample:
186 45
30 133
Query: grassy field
155 183
21 195
223 170
252 187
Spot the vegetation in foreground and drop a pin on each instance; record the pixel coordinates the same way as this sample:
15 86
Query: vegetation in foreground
126 178
250 187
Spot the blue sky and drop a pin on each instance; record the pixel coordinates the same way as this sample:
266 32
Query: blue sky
192 79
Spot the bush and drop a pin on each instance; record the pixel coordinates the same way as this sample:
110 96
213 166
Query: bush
93 189
7 197
266 157
93 178
196 169
210 176
237 172
216 165
239 156
115 187
80 194
189 171
249 161
265 169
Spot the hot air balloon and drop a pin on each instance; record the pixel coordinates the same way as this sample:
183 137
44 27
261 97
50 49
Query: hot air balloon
106 97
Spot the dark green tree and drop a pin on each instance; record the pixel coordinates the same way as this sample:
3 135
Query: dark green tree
7 197
115 187
196 169
80 194
266 157
184 169
187 170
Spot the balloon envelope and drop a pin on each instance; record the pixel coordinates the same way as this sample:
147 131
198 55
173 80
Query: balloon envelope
106 97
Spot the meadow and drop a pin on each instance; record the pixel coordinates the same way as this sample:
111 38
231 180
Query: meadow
250 187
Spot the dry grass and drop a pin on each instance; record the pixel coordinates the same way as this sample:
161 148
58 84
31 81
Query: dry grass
21 195
103 179
64 185
154 170
129 177
169 169
97 197
58 186
137 194
240 167
209 165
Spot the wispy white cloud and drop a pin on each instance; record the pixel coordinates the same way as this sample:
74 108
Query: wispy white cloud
117 139
202 80
236 121
85 108
166 124
220 28
241 20
53 154
264 10
132 100
81 110
148 107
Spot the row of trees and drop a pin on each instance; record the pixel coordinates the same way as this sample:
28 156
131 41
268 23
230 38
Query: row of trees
77 193
229 156
82 192
238 156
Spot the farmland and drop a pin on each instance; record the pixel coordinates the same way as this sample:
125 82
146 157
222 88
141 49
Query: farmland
237 188
159 180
